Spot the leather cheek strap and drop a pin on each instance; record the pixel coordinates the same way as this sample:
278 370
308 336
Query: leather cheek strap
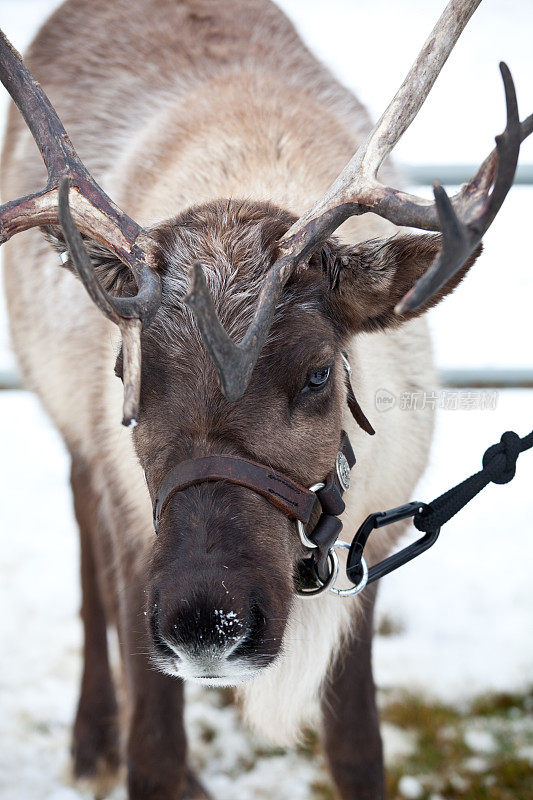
295 501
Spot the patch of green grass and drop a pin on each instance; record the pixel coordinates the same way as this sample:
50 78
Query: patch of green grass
501 703
392 778
321 790
388 626
509 779
412 711
207 733
310 743
440 758
269 751
226 696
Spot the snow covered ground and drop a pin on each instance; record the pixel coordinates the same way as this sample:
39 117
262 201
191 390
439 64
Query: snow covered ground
462 612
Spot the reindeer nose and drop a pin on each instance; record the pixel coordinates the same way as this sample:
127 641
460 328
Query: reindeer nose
193 632
205 642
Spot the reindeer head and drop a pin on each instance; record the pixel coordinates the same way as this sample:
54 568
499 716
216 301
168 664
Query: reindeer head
223 567
222 572
224 563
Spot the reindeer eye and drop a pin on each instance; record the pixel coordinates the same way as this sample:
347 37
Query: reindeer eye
318 378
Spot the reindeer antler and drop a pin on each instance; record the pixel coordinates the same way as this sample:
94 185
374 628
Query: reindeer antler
462 219
89 209
460 237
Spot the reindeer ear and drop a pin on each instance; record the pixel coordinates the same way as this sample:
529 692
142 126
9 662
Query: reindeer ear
115 276
367 280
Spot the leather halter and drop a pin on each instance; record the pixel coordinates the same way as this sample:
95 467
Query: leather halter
292 499
295 501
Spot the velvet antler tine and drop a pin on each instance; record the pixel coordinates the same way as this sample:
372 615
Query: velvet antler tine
357 185
455 249
80 258
508 149
225 354
143 305
130 328
235 362
94 212
461 237
131 355
73 198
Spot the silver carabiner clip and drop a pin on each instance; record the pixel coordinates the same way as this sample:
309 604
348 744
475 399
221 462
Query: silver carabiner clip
329 584
358 587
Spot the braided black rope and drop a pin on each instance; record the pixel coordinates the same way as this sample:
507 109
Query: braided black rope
499 466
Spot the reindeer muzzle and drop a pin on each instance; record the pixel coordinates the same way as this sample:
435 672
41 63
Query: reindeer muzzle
289 497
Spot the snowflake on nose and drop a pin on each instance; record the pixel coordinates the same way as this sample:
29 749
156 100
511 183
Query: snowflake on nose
228 624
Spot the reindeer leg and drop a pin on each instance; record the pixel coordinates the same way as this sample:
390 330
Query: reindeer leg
350 718
95 744
157 745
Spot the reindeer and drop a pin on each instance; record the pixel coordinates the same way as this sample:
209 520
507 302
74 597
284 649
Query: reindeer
214 127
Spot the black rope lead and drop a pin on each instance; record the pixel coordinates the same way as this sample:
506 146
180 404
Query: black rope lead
499 466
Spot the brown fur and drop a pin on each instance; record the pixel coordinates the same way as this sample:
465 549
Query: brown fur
216 119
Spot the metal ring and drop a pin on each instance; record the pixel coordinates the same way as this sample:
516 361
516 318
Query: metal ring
332 577
353 590
301 530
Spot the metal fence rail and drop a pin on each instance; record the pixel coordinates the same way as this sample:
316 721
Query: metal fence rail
483 378
456 174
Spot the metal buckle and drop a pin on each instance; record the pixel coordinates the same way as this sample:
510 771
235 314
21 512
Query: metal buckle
342 469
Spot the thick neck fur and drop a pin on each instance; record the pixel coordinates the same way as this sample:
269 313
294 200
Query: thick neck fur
240 136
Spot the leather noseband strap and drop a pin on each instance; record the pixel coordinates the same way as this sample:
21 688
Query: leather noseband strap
295 501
